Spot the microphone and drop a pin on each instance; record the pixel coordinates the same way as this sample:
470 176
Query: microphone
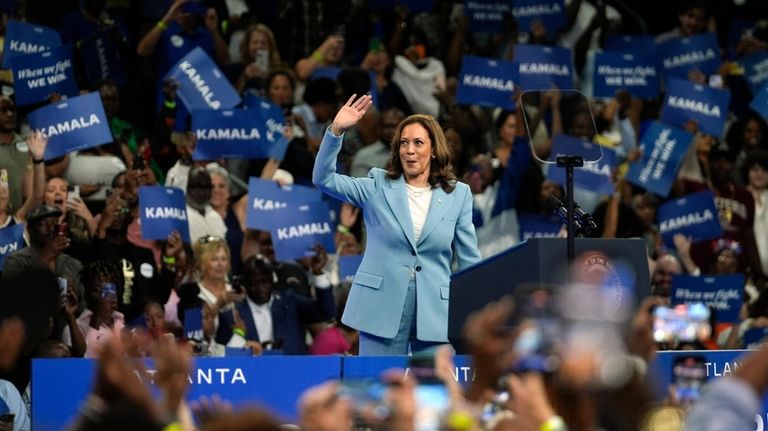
584 217
556 206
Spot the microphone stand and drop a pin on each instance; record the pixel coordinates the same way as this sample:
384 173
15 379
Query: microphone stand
570 162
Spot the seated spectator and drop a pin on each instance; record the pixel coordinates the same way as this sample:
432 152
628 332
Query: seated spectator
203 220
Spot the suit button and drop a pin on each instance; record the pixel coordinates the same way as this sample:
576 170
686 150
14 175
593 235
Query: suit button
413 252
418 268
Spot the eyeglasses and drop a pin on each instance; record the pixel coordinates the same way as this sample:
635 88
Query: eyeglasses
210 238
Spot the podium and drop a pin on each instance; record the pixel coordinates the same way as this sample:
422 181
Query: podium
542 260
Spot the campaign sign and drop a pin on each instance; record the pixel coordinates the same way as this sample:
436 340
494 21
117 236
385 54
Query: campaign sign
760 102
681 55
193 324
11 239
22 38
71 125
36 76
366 367
594 175
756 70
348 266
544 67
414 6
237 133
487 82
60 386
635 73
297 228
538 226
266 196
754 338
721 293
102 60
486 16
635 43
551 13
274 120
664 150
201 84
162 210
687 101
694 215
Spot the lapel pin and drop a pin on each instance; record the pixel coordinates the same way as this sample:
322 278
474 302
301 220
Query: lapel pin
439 200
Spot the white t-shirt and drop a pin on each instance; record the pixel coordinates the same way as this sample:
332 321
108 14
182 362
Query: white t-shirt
418 202
262 318
208 224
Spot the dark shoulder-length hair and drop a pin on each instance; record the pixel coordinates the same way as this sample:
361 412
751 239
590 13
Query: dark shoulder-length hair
440 170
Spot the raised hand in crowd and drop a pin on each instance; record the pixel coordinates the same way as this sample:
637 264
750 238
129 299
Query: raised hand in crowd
53 249
173 364
319 260
79 207
322 409
349 114
116 206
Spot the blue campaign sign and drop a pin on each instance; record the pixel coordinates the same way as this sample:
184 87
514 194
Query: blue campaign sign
102 59
687 101
538 226
36 76
594 175
630 43
268 381
755 338
551 13
760 102
193 324
486 16
11 239
542 67
71 125
487 82
274 119
363 367
663 150
297 228
201 84
348 266
756 70
22 38
694 215
681 55
265 196
237 133
161 211
721 293
635 73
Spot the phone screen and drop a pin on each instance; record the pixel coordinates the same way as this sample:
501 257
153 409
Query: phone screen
689 374
681 323
262 59
432 401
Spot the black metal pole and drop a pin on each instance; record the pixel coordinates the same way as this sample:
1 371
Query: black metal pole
570 227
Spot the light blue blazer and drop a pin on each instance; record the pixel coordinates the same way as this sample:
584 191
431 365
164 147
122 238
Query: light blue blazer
377 298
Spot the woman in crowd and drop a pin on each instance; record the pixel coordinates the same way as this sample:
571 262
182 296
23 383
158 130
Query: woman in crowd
756 176
418 216
234 220
80 223
259 54
10 216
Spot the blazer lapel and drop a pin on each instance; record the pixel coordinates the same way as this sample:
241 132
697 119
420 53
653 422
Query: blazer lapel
398 203
439 205
245 313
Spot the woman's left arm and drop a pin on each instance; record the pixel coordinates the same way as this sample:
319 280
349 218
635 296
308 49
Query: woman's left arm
464 239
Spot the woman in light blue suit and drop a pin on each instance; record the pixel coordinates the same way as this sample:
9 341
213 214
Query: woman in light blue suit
418 219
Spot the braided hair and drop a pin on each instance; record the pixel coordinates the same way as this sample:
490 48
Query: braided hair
98 271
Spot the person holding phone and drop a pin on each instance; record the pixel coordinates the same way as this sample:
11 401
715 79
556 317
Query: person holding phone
259 54
419 219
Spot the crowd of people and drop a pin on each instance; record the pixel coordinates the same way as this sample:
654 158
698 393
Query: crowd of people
363 90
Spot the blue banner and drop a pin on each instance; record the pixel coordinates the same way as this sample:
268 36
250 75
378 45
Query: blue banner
635 43
544 67
22 38
102 60
721 293
681 55
538 226
693 215
193 324
756 70
760 102
266 196
487 16
635 73
348 266
663 150
487 82
71 125
274 119
237 133
59 387
161 211
414 6
754 338
687 101
595 176
36 76
551 13
297 228
201 84
325 72
11 239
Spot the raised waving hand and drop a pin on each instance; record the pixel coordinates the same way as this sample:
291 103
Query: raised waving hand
351 113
